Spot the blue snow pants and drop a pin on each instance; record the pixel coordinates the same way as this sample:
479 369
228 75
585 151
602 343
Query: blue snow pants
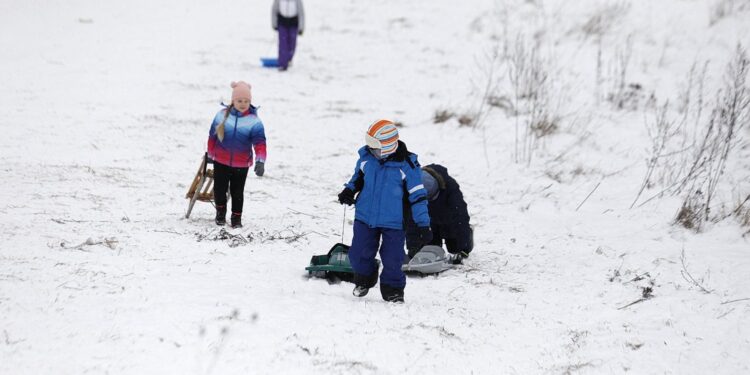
365 246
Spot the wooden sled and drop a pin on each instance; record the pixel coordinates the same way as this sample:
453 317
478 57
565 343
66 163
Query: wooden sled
202 188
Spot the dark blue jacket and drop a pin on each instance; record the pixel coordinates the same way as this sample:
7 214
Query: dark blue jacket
449 216
387 187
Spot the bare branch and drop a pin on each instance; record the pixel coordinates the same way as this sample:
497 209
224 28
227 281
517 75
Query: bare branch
688 277
735 300
587 197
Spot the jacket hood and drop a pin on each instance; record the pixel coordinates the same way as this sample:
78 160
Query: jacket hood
253 110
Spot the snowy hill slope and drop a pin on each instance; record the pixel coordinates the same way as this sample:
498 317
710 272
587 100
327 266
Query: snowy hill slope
105 111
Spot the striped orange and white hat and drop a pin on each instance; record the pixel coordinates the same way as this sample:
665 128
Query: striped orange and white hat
383 135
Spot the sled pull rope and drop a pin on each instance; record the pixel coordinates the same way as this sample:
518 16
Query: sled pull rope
343 224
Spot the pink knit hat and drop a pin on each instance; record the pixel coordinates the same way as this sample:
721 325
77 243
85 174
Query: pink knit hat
241 90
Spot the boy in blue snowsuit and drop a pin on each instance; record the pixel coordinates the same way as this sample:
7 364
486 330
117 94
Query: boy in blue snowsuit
389 181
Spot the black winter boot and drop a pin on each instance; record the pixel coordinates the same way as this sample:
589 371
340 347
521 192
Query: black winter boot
221 215
391 294
362 284
458 258
360 291
236 219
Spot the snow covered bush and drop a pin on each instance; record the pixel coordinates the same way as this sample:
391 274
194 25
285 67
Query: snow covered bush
533 91
661 131
689 151
519 81
730 113
622 93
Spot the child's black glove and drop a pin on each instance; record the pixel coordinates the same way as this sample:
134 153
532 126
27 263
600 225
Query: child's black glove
413 242
425 235
346 197
259 168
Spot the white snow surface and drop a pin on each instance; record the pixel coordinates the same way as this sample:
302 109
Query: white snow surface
104 111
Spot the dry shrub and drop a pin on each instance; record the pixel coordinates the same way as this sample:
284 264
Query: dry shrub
742 213
545 126
730 113
442 115
501 102
690 214
604 18
533 95
622 94
466 120
692 162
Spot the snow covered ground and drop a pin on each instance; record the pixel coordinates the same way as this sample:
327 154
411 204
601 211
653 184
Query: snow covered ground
104 112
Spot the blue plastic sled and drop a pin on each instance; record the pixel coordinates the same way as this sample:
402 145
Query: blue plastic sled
269 62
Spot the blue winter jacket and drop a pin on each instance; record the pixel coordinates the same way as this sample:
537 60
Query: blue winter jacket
243 132
387 187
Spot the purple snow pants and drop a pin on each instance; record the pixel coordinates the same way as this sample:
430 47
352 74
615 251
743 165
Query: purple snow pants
287 44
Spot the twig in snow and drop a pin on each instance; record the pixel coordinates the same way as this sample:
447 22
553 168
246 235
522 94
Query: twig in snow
587 197
736 210
646 294
279 236
575 367
320 234
166 231
234 239
638 278
632 303
735 300
64 221
64 285
108 242
666 189
725 314
304 213
689 278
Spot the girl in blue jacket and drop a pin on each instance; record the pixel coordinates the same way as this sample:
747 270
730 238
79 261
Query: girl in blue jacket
388 179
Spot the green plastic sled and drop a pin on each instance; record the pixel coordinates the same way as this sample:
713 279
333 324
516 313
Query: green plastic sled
335 263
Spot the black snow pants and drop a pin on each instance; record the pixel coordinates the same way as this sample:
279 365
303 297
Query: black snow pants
232 179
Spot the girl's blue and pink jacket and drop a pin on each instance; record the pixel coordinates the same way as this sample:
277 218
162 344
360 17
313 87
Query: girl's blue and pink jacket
243 132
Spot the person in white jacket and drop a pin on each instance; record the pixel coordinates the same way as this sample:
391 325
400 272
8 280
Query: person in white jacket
288 17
